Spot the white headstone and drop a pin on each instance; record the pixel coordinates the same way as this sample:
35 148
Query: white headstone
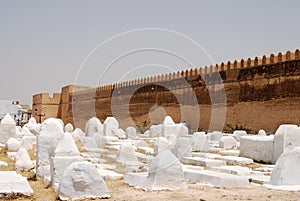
93 126
126 154
131 132
238 134
81 180
279 138
48 138
165 173
155 130
110 125
215 136
69 128
227 142
200 142
33 127
23 161
13 144
183 147
141 143
66 153
287 168
161 144
262 133
28 141
77 134
7 128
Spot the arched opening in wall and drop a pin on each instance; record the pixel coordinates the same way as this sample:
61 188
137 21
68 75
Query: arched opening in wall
151 103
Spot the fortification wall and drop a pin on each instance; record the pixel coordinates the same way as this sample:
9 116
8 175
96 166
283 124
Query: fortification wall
261 92
45 105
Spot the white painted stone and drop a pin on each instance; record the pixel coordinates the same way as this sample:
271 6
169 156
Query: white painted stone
141 143
235 170
110 125
69 128
230 152
130 132
13 144
168 121
33 127
109 174
93 126
126 155
227 142
26 132
155 130
3 164
183 147
215 136
77 134
287 168
7 128
238 134
165 173
27 142
235 160
161 144
279 140
258 148
207 162
23 161
13 183
81 180
262 133
214 178
120 133
47 140
200 142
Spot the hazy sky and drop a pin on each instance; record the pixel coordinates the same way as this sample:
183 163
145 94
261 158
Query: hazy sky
44 43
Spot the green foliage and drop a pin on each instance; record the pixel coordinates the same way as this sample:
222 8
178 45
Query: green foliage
142 129
231 128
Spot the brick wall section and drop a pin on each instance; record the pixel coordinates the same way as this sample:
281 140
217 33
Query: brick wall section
261 93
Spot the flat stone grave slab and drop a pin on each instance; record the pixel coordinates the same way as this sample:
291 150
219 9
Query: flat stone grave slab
114 147
109 174
146 150
235 170
141 156
218 179
260 179
204 155
3 164
207 162
96 150
11 182
230 152
235 160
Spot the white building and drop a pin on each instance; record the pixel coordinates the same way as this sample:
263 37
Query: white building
20 114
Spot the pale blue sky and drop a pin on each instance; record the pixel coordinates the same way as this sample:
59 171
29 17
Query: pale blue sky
43 43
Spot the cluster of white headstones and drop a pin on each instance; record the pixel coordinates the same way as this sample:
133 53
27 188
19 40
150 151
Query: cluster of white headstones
176 156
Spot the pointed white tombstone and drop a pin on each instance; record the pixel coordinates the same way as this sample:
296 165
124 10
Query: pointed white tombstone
93 126
66 153
23 161
81 180
69 128
13 144
126 155
50 134
130 132
165 173
110 126
33 127
7 129
287 168
279 140
200 142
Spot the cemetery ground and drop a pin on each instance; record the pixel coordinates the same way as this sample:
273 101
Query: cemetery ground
121 191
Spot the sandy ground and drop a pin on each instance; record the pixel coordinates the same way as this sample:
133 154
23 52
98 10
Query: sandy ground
196 191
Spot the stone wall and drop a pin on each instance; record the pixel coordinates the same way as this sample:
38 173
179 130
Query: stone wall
261 93
45 105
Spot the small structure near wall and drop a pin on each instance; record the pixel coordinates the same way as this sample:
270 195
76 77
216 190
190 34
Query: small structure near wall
20 113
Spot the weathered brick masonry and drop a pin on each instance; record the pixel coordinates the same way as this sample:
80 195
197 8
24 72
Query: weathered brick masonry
261 93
